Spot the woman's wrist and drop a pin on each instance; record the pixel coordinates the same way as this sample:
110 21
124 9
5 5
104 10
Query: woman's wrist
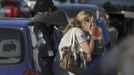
88 57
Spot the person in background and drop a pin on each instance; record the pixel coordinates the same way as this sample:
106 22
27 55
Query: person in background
118 61
105 32
84 24
121 58
109 7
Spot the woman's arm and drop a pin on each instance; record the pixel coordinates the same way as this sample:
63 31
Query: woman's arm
86 44
88 48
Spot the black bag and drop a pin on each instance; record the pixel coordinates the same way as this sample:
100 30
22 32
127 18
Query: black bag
56 38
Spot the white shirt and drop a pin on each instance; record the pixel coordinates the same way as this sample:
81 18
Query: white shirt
81 36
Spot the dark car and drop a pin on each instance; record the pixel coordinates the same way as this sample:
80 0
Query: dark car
15 47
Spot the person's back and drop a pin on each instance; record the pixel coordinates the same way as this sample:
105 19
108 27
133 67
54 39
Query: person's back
46 19
47 45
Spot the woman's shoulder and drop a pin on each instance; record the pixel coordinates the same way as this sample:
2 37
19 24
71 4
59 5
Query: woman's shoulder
79 31
81 35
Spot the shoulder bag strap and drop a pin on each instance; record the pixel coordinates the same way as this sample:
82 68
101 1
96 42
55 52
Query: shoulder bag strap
71 41
75 41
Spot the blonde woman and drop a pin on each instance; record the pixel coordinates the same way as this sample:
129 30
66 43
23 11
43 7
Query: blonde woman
84 25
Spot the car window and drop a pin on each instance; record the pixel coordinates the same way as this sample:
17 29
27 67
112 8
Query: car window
10 46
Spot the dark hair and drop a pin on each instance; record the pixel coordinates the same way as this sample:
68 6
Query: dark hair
43 5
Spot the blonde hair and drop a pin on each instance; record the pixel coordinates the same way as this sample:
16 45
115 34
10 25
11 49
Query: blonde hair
84 15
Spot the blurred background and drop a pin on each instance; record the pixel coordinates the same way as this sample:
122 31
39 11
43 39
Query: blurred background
114 20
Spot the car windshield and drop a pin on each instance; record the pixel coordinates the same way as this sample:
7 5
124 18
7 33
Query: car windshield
78 9
10 46
72 14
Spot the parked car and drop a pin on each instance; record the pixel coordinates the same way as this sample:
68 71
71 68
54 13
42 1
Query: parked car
15 47
72 9
20 49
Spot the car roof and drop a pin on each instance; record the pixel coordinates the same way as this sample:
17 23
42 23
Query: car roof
90 6
76 8
76 4
86 5
17 22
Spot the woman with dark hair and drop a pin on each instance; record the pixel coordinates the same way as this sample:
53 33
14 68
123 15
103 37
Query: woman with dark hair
44 6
